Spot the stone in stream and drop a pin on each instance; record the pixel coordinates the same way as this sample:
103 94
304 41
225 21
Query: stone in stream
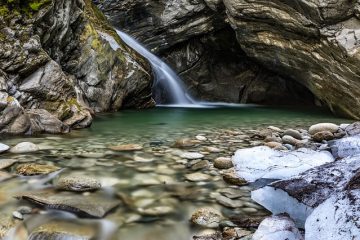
298 196
5 163
78 183
231 177
5 176
30 169
191 155
92 205
345 147
279 227
156 211
126 147
338 218
197 177
206 217
323 135
263 162
24 147
186 143
227 202
223 163
3 148
62 230
212 149
320 127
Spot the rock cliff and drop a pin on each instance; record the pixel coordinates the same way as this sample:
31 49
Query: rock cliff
60 61
282 45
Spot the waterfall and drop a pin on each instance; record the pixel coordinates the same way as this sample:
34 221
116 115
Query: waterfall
168 87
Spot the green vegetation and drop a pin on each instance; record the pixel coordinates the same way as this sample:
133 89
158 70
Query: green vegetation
15 7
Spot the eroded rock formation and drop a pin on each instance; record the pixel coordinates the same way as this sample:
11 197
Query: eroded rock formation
309 42
60 61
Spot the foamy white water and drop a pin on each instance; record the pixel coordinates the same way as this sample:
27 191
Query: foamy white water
164 75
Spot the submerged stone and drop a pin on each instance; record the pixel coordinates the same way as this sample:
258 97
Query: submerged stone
191 155
5 176
24 147
197 177
3 148
30 169
263 162
126 147
93 205
5 163
223 163
78 183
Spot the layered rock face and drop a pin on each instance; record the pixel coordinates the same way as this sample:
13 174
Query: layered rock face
314 42
309 42
60 61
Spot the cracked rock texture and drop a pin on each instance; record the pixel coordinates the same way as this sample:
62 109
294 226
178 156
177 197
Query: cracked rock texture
307 44
60 61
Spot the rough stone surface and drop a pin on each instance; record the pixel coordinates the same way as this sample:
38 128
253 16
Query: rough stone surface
194 38
206 217
94 205
78 183
30 169
57 62
3 147
337 218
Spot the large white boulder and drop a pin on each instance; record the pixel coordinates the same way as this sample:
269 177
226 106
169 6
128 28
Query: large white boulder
263 162
300 195
338 218
346 147
279 227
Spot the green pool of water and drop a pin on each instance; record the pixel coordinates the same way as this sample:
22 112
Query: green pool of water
155 169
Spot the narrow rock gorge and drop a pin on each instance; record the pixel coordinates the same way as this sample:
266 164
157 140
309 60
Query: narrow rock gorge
269 52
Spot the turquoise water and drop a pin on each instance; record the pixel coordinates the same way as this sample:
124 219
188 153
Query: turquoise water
123 175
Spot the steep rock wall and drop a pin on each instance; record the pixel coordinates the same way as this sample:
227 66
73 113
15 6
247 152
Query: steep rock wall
60 61
314 43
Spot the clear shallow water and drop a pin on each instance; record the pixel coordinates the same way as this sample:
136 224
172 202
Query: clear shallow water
155 176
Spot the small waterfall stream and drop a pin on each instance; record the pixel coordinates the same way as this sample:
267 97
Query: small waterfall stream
168 87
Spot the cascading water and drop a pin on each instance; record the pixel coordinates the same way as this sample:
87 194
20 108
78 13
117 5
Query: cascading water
168 87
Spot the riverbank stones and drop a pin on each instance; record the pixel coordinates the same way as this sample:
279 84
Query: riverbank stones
223 163
126 148
320 127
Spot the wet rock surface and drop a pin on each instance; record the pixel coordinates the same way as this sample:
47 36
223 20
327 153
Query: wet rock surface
77 183
93 205
30 169
206 217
